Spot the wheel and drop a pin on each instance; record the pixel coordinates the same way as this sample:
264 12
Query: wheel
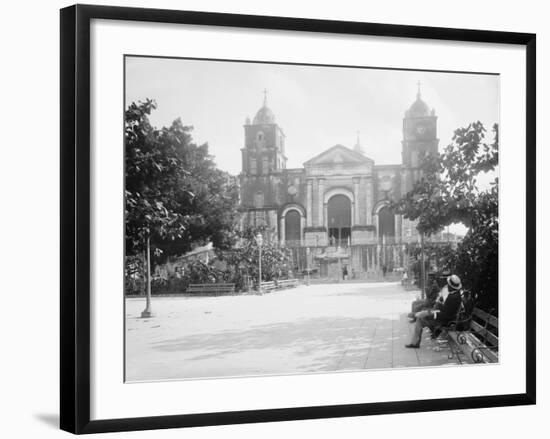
477 356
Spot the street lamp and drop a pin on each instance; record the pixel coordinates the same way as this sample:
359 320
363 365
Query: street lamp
259 241
422 267
307 263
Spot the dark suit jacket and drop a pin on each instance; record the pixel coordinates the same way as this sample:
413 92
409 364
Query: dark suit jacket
447 311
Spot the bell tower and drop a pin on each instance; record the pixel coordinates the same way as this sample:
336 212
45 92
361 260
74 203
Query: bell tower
264 148
263 163
419 138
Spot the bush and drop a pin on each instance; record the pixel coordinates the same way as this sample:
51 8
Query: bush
134 282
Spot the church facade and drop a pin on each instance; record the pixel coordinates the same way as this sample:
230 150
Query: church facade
339 199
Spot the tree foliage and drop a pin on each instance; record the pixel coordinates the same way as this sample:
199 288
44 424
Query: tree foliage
201 272
450 192
154 171
243 259
174 192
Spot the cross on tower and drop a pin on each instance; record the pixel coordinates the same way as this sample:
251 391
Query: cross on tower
265 96
418 93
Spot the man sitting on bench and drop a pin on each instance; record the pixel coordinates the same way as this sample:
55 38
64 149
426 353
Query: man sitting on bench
444 311
427 303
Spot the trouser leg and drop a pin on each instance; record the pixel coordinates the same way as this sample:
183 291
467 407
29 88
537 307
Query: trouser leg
422 320
419 305
417 332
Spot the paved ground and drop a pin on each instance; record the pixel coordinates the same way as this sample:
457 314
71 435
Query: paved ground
320 328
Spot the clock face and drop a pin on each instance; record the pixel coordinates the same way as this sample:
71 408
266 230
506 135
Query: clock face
292 190
421 130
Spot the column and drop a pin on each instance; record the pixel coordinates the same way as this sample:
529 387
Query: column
369 201
355 200
302 226
282 230
368 258
309 201
403 182
321 193
398 228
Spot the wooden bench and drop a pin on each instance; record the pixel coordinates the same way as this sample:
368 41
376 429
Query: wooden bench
268 286
216 289
287 283
480 341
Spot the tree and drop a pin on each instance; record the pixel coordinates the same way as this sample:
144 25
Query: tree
450 192
243 260
175 196
212 211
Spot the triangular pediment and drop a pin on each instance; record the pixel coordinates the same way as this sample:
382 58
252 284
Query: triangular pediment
338 155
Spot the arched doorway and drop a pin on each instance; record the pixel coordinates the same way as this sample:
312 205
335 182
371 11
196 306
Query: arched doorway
292 227
339 220
386 224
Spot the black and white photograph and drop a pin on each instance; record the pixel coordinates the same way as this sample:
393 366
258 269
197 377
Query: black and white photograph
274 220
289 219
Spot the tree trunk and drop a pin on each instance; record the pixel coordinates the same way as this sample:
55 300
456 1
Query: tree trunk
259 269
422 268
148 312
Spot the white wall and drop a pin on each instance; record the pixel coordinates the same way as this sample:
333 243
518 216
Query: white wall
30 204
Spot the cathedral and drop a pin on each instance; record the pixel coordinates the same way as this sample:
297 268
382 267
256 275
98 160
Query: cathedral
337 203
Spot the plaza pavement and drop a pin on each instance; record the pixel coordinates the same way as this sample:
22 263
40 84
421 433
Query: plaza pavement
316 328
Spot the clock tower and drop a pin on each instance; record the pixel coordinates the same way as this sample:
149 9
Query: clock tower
263 167
264 149
419 138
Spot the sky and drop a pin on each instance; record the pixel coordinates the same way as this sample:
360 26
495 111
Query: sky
317 107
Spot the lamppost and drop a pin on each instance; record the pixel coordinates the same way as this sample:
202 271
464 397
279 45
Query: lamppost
307 264
148 312
259 241
340 272
422 268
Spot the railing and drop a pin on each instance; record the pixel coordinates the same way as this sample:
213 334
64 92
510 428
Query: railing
334 243
344 243
293 243
339 242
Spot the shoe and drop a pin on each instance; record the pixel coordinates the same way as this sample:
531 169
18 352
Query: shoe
413 346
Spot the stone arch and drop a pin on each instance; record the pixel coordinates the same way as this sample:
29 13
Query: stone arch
379 205
339 207
293 206
338 191
293 216
385 220
331 193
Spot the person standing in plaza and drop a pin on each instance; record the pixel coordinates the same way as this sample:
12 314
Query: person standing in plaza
405 279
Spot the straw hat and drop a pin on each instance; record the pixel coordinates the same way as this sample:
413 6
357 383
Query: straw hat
454 282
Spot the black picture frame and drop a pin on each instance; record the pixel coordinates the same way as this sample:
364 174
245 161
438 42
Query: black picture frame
75 217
